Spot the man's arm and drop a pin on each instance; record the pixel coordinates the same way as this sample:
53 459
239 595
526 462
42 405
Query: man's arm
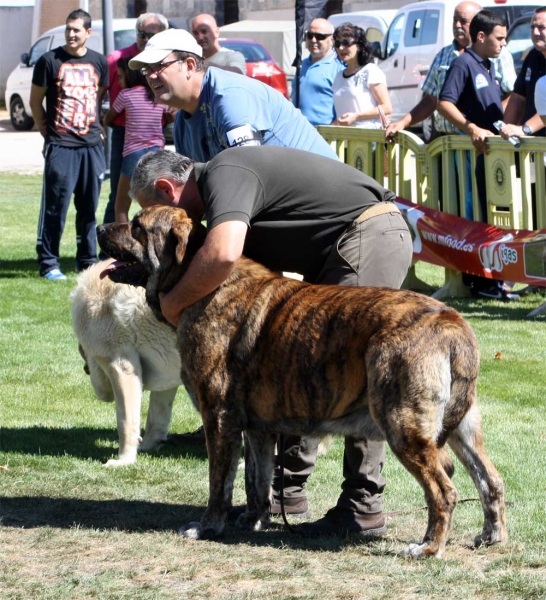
449 111
535 123
37 95
209 268
514 108
540 98
418 113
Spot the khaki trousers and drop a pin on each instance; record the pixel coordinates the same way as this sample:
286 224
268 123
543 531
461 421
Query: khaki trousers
373 252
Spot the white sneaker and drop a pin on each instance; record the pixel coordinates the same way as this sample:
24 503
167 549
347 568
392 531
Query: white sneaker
55 275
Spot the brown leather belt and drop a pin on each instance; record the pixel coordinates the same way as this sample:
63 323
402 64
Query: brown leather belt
376 210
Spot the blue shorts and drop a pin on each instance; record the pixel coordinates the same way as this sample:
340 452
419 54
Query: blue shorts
129 162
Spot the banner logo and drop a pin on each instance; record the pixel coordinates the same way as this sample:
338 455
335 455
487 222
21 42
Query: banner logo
495 255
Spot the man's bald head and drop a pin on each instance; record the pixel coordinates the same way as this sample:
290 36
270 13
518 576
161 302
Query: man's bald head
206 32
319 48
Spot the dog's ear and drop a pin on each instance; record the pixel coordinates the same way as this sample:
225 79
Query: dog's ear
189 237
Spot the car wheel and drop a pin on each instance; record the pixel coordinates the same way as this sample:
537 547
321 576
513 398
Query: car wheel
19 118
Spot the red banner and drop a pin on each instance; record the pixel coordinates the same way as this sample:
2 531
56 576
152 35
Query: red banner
477 248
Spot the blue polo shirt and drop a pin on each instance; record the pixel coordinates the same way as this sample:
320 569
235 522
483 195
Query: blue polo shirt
236 110
316 97
472 87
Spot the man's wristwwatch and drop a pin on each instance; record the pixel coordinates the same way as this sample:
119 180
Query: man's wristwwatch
526 129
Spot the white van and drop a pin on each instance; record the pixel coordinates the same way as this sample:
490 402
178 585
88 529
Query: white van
374 22
416 34
20 79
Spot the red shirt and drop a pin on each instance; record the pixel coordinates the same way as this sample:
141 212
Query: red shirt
114 88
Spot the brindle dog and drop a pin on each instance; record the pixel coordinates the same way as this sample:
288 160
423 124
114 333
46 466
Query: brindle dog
266 355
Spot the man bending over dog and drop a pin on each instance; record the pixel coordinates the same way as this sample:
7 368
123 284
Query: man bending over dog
299 212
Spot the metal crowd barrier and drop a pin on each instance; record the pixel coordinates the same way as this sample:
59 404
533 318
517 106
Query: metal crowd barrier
439 175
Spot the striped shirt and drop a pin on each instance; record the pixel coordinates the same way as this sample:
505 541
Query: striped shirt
505 75
143 119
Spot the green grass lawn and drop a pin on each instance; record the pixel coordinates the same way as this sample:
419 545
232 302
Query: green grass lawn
71 529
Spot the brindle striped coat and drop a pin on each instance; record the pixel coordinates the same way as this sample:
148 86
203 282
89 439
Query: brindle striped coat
266 355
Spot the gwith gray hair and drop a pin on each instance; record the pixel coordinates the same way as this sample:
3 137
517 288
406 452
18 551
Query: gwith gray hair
162 164
163 23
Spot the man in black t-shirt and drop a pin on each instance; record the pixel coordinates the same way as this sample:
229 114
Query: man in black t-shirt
520 115
72 79
471 100
292 211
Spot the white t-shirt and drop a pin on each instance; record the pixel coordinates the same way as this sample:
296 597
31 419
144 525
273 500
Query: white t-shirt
228 58
540 96
353 95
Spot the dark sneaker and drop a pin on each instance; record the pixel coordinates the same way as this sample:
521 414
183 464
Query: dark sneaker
495 293
194 437
295 507
342 521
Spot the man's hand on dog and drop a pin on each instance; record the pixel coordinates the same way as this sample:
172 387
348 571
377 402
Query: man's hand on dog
171 310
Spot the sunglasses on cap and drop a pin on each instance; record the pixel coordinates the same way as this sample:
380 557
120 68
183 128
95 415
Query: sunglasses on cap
346 43
318 36
145 35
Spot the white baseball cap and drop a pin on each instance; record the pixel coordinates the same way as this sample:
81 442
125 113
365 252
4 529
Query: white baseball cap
162 44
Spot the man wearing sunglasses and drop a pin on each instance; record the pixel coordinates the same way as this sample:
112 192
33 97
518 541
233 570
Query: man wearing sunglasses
220 109
147 26
318 72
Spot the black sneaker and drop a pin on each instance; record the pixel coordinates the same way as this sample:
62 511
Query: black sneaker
495 293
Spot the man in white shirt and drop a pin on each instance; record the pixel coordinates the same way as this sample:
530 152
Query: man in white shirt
206 32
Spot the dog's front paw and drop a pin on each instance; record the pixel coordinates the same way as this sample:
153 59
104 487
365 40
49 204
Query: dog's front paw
192 530
151 445
196 531
251 522
417 551
119 462
489 538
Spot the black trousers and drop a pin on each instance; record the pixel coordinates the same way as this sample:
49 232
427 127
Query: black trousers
67 172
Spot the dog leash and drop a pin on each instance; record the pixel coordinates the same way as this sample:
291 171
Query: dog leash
281 482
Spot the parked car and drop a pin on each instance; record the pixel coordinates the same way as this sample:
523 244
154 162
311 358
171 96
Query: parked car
519 39
20 79
259 63
374 22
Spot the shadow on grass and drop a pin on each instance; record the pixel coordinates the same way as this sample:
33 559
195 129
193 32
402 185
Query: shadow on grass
140 516
28 267
80 442
494 310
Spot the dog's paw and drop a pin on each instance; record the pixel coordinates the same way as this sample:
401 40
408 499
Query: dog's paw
490 538
249 522
417 551
151 445
119 462
192 530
